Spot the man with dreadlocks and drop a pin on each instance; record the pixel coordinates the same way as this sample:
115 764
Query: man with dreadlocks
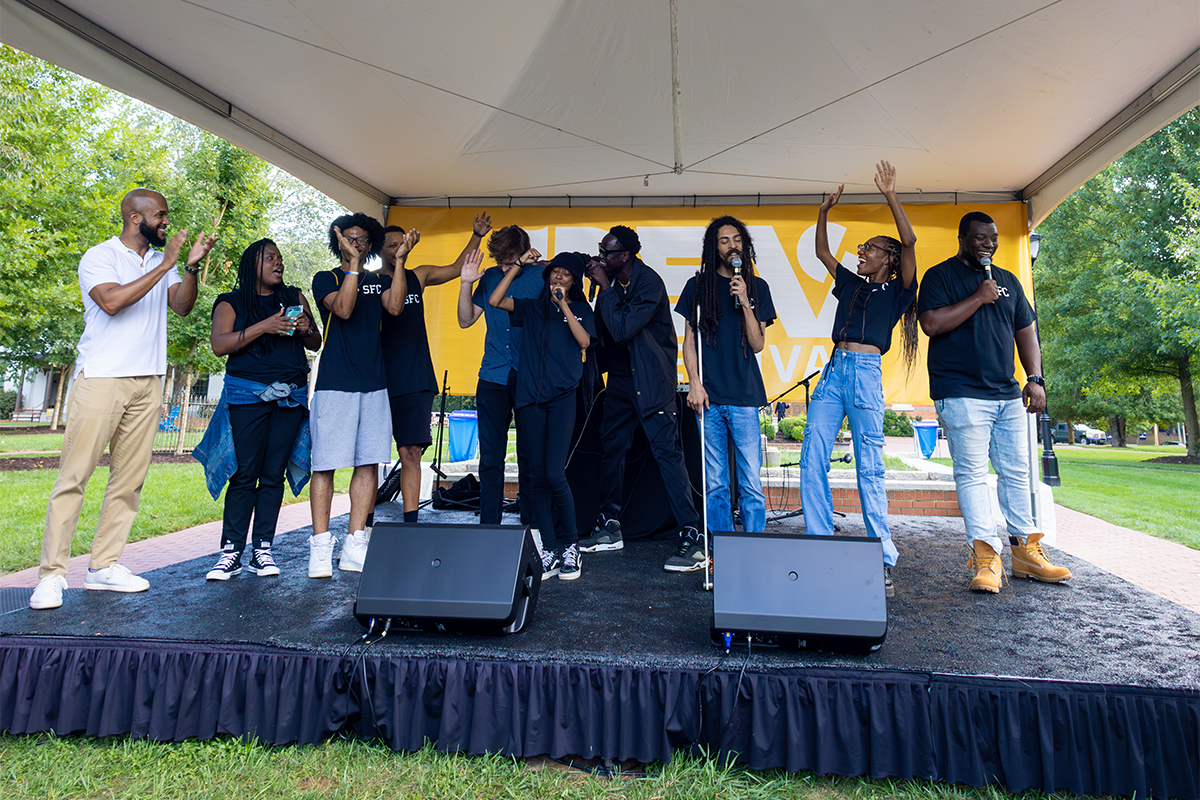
729 307
974 313
639 346
869 306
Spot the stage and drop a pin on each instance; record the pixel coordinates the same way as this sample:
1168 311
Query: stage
1092 686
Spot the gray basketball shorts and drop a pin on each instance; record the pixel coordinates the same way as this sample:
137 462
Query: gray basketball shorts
350 429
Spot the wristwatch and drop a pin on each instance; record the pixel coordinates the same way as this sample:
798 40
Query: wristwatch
1038 379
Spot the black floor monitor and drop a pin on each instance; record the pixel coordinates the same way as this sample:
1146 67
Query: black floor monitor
470 578
815 592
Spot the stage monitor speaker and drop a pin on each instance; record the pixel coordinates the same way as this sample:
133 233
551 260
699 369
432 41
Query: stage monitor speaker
815 592
464 578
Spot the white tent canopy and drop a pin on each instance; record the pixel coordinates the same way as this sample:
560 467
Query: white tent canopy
540 102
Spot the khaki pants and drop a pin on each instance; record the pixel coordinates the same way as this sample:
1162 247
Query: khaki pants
122 413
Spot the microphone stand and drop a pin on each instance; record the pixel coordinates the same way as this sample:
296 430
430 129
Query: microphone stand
708 582
437 454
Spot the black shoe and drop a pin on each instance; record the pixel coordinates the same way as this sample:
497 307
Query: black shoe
228 565
690 555
572 564
888 588
606 535
262 564
551 564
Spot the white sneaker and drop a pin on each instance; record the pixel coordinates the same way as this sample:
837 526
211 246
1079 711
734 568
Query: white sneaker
354 552
48 593
320 555
115 579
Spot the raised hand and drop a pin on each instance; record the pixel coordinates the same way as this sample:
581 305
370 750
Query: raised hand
472 266
174 245
348 248
410 241
201 247
531 256
885 177
482 224
833 197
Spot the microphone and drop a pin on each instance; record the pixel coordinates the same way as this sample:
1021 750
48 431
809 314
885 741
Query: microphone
736 263
592 292
987 266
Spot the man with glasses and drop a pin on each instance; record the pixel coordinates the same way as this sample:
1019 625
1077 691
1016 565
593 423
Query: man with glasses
640 351
350 415
973 313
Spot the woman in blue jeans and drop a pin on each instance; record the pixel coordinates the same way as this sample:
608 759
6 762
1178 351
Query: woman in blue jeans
870 303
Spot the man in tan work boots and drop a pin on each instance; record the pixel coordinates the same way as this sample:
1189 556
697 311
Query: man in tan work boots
974 313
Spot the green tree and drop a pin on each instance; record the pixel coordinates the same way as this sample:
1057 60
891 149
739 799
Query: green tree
1117 282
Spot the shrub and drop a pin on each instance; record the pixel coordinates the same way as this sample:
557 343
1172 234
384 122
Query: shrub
8 404
767 427
896 424
793 428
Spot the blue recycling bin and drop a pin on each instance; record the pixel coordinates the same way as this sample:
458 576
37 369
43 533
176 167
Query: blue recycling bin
926 434
464 435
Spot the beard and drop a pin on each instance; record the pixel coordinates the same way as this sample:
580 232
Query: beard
151 234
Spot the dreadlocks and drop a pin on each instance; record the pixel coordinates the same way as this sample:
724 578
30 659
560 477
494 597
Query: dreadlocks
708 292
908 322
255 306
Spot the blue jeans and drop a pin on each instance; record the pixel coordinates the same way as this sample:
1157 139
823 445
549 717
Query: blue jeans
850 388
741 424
977 430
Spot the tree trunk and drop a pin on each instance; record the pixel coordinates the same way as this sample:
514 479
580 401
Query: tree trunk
183 410
58 398
1117 426
20 390
1188 394
1070 432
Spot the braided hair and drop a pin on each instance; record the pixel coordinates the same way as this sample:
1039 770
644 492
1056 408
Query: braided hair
708 288
908 322
256 307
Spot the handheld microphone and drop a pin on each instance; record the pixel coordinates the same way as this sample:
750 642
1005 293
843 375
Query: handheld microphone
592 288
987 266
736 263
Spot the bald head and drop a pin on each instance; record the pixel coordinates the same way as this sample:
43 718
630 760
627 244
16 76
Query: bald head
144 213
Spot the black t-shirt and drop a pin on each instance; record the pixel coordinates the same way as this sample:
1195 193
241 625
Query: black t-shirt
551 359
405 343
268 358
352 358
976 358
731 373
867 312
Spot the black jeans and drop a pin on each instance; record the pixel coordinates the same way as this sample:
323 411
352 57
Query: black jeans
621 419
263 435
494 407
547 428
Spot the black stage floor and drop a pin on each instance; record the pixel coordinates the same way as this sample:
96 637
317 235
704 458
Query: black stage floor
1073 648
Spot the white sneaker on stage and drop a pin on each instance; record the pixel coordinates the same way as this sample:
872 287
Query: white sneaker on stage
48 593
320 555
115 579
354 552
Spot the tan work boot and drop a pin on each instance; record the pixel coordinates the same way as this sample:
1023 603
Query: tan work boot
1029 561
988 569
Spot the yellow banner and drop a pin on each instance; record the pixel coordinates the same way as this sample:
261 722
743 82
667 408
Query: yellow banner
799 342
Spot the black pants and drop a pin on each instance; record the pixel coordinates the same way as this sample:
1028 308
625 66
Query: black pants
263 435
621 419
494 405
547 428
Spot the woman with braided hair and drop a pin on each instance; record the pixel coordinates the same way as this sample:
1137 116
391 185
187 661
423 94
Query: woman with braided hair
869 305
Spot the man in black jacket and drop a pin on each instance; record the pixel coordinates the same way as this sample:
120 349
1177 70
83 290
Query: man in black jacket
641 352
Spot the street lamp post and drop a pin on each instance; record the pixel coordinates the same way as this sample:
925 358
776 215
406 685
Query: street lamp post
1049 460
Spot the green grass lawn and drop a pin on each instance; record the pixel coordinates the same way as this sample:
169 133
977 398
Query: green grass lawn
40 442
174 498
43 766
1118 486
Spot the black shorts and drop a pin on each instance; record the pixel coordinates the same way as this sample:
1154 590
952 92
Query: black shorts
411 415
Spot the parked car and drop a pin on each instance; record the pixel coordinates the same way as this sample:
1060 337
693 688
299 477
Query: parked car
1083 434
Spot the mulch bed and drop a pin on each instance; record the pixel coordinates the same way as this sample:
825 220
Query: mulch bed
20 431
51 462
1173 460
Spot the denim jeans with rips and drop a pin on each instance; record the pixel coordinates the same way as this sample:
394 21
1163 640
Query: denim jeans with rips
979 430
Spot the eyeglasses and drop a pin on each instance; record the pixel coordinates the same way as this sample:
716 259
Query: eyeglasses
606 253
867 247
357 239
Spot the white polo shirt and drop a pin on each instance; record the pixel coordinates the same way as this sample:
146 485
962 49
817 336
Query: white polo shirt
132 342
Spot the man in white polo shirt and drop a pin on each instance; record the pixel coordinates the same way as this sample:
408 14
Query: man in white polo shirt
117 397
